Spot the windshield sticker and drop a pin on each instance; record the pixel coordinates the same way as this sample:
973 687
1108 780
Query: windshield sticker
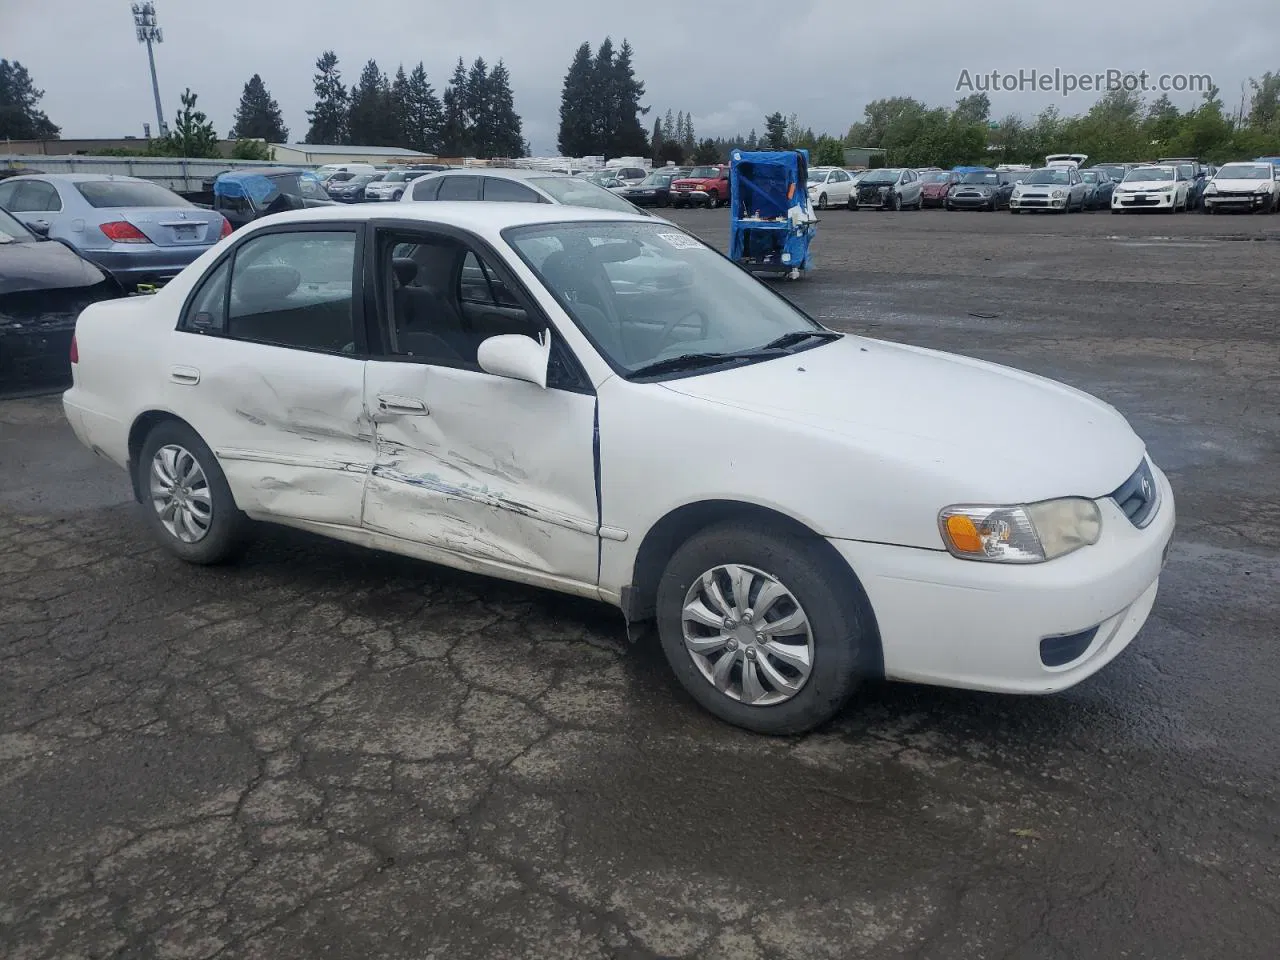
680 241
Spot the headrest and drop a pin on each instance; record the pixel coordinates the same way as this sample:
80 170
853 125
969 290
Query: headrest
406 269
265 284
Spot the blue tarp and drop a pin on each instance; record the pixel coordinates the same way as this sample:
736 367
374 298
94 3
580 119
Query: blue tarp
769 202
970 169
256 186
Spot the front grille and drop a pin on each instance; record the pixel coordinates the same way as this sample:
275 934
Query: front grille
1033 201
1138 497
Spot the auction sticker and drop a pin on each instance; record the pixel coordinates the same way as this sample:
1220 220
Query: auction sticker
680 241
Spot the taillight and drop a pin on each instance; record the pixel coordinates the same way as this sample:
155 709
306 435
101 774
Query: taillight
122 231
75 351
226 227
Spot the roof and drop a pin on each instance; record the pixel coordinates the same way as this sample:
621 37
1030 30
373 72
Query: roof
486 217
81 177
233 175
506 173
353 150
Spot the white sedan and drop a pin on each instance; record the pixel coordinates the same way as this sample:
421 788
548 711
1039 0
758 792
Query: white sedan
829 186
601 404
1154 187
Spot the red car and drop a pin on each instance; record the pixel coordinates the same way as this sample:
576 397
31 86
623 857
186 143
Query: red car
936 185
706 186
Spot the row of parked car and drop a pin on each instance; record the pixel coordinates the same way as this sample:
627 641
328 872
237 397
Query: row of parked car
1062 185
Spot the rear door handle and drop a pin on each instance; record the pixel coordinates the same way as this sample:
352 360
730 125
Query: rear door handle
185 375
401 406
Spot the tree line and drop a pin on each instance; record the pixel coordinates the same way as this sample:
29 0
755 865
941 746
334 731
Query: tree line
474 117
602 111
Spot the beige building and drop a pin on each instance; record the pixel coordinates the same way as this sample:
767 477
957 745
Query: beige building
317 154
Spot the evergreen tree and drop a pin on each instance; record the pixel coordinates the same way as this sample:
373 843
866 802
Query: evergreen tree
507 134
775 131
475 109
604 120
656 140
397 111
192 135
369 121
753 142
629 137
576 98
687 139
329 115
422 113
455 135
258 116
707 151
669 127
19 117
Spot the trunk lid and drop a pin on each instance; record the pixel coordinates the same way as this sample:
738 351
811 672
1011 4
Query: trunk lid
172 226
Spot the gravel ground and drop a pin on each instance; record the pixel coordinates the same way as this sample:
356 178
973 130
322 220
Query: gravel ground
325 751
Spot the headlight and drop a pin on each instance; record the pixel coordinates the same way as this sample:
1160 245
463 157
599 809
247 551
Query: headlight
1059 194
1165 190
1029 533
1211 188
1262 188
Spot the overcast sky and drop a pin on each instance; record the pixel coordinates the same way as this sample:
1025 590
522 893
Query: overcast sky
726 62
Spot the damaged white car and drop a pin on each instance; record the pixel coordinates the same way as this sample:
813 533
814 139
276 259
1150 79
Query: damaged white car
600 404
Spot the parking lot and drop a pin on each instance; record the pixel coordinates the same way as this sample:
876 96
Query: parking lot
328 752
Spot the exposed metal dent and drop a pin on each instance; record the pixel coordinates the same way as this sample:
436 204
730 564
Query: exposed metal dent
291 460
482 495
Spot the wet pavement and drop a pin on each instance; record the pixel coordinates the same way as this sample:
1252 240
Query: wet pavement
329 752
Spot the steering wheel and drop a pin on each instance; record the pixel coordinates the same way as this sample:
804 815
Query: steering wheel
665 336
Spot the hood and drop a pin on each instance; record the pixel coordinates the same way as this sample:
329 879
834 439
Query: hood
983 432
931 189
44 265
1241 186
699 182
1149 186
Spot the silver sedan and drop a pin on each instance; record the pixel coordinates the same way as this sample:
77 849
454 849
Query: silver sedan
135 230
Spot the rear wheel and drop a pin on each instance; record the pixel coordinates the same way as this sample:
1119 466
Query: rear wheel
760 629
397 195
186 500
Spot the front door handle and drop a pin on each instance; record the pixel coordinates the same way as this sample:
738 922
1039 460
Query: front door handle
401 406
185 375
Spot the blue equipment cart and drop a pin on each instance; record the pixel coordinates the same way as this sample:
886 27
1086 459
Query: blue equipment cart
773 222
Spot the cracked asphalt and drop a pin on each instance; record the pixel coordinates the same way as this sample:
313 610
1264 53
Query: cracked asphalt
325 751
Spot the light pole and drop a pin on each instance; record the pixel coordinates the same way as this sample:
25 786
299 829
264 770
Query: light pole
144 19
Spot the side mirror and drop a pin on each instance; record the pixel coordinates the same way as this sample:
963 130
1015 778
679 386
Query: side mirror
516 357
39 227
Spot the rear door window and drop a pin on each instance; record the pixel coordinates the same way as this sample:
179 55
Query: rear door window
459 188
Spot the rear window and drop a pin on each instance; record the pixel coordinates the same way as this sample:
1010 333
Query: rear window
128 193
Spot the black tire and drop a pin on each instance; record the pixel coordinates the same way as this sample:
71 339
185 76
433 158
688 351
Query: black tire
896 203
841 623
852 204
229 530
397 195
822 201
713 200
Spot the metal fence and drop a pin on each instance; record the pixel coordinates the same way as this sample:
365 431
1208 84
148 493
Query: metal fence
177 173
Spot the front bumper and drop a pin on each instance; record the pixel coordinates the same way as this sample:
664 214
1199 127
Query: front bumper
1238 201
980 626
1038 203
1142 201
690 196
969 201
934 199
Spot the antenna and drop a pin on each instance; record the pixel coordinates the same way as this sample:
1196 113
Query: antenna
149 32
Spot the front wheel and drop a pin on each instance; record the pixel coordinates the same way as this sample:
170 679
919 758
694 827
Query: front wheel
713 200
853 203
761 628
822 201
186 499
896 203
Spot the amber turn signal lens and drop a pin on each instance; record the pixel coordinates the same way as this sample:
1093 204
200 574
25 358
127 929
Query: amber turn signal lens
964 535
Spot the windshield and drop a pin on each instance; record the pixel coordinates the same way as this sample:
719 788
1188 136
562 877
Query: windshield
1115 172
1148 173
943 177
990 179
128 193
882 176
1089 176
1244 171
11 231
656 180
582 193
705 173
645 292
1047 176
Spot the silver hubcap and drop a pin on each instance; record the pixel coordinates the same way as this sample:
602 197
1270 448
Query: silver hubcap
180 493
747 635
